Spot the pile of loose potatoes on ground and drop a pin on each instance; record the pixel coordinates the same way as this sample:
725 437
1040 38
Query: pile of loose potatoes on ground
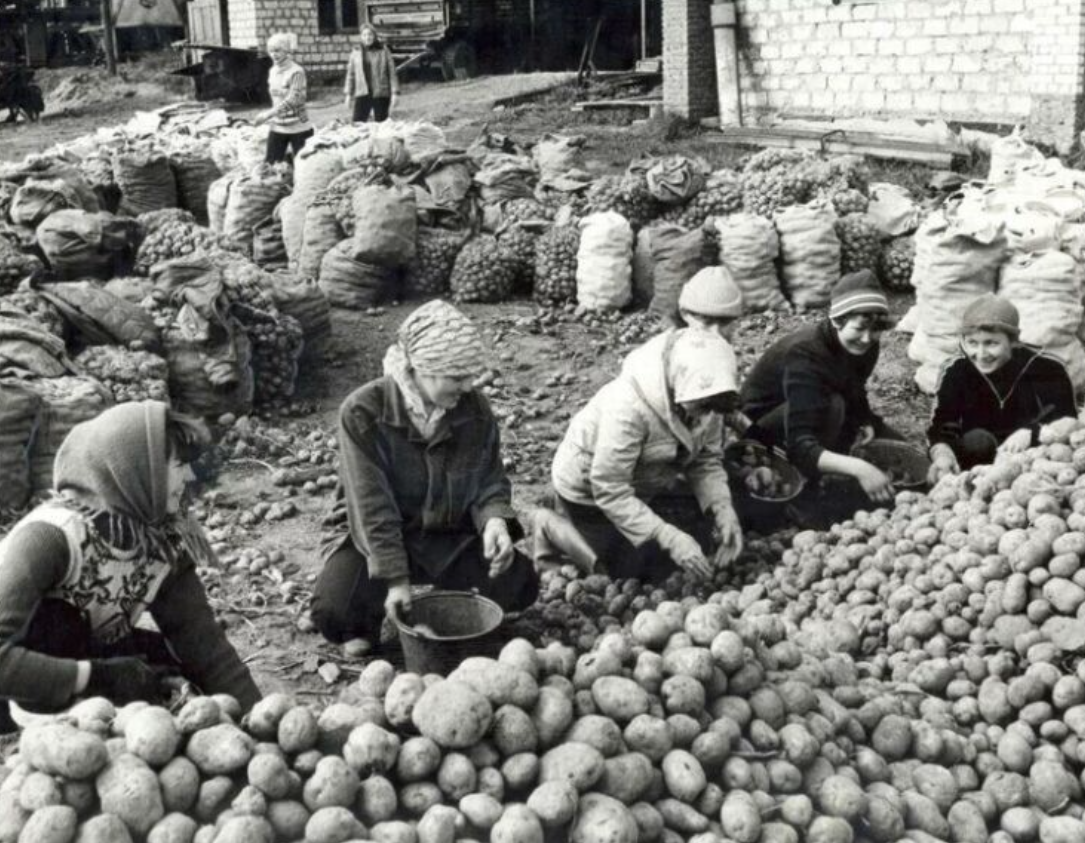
905 676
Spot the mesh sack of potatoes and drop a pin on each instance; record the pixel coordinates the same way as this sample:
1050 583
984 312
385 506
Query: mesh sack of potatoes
749 247
722 195
555 265
354 284
860 244
809 253
430 271
484 271
194 173
303 299
146 181
174 239
128 375
896 263
15 265
277 341
19 411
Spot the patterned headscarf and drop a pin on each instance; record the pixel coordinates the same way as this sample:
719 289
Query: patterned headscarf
438 339
701 364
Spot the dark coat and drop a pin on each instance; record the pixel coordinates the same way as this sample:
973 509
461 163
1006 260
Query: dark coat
1031 390
411 502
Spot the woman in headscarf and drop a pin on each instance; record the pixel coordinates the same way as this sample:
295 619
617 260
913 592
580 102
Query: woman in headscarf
640 447
288 121
423 494
372 84
113 541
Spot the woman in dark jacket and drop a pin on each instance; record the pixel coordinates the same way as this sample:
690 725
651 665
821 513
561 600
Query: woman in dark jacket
996 394
371 84
423 494
114 541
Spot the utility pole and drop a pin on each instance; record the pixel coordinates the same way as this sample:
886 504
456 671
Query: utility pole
109 37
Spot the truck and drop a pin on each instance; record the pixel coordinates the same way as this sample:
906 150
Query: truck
461 36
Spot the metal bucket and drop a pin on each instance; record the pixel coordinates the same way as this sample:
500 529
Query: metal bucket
904 462
463 624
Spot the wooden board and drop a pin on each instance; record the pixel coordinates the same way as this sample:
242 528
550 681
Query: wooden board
843 142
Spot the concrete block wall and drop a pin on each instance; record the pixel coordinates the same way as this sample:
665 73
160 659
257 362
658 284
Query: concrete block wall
986 61
689 63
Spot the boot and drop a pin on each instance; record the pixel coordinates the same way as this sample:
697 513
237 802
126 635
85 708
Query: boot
557 540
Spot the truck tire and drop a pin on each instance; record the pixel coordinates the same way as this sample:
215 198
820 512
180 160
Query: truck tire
458 61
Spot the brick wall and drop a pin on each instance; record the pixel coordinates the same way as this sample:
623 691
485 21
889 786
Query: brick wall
252 21
988 61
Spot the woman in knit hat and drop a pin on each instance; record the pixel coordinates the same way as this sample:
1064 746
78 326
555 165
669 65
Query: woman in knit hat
649 444
114 541
710 300
808 391
996 394
423 496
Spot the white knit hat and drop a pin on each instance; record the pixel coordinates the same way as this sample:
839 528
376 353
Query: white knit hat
712 292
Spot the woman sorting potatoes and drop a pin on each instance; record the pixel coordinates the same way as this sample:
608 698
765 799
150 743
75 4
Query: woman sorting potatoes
423 495
114 541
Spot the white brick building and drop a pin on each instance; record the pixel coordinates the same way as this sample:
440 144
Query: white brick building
976 61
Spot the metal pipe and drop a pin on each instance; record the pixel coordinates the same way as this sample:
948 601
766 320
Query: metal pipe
109 37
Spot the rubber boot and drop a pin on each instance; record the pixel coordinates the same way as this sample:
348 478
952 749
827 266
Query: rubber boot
557 540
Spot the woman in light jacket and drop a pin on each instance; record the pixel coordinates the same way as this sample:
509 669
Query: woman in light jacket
654 433
371 79
288 121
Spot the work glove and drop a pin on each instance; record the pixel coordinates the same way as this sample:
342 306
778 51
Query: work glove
729 533
125 680
685 551
943 463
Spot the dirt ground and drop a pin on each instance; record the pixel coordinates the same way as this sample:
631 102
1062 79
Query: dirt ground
546 365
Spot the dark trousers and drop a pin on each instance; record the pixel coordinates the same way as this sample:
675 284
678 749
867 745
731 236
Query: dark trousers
278 143
649 562
378 105
347 603
60 630
976 447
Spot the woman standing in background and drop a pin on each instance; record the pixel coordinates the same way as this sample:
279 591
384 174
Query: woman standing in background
371 79
288 120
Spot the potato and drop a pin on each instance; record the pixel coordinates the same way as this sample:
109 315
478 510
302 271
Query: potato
626 777
601 819
104 828
456 776
12 817
649 822
80 795
1061 830
220 750
205 834
554 803
180 783
152 735
552 715
480 810
689 661
61 750
298 730
129 788
120 722
39 791
830 830
250 802
401 697
377 800
453 713
51 824
679 816
740 817
438 825
501 684
393 832
590 666
492 783
333 824
619 698
92 714
520 654
521 771
215 795
577 763
198 713
597 731
376 678
650 736
271 775
418 797
173 828
652 630
245 830
966 821
518 824
263 720
371 749
287 819
333 784
418 759
513 731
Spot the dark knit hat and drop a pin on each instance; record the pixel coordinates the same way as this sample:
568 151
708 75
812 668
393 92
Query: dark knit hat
992 313
857 292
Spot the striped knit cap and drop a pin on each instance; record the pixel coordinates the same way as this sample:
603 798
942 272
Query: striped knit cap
857 292
438 339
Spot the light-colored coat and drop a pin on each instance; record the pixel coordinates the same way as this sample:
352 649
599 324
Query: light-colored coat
385 84
628 445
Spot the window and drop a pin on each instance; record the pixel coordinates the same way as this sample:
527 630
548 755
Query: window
337 16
